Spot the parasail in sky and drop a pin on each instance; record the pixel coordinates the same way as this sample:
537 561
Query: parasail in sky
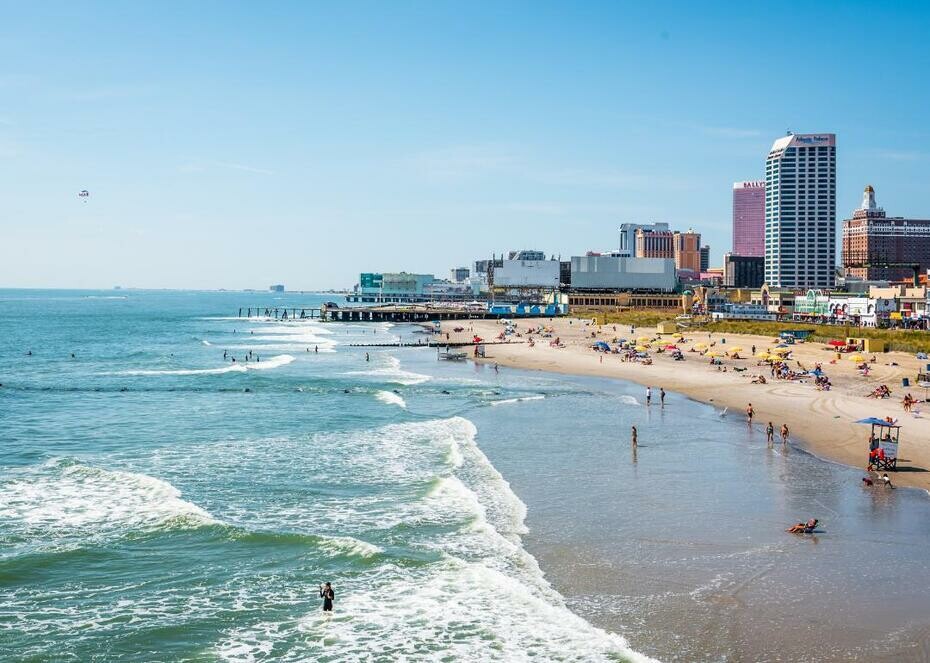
85 194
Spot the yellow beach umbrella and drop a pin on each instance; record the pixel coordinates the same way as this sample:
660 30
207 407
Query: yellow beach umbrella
856 358
644 339
713 354
641 348
736 349
700 346
774 358
781 351
762 354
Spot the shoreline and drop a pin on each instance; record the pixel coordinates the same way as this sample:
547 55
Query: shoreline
804 409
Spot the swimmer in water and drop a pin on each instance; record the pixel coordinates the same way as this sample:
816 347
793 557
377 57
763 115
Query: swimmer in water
328 595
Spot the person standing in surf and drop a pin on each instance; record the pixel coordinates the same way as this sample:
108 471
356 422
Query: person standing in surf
328 595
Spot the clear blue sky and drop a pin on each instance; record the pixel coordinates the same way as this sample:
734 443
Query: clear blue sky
241 144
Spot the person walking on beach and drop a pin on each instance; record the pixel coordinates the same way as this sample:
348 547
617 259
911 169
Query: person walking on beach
633 433
753 349
662 396
648 395
328 595
784 433
770 433
749 414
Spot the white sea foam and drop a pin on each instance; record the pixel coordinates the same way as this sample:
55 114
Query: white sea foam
239 367
390 371
347 545
391 398
628 400
61 499
205 341
451 613
510 401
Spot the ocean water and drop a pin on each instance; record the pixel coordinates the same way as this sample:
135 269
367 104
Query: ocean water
160 503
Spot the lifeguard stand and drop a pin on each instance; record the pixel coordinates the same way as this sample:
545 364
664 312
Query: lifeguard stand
883 444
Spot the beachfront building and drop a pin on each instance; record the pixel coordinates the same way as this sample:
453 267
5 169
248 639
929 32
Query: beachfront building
621 273
391 287
628 236
879 247
910 303
777 300
459 274
652 243
686 248
800 212
528 273
621 301
526 254
743 312
749 218
743 271
705 258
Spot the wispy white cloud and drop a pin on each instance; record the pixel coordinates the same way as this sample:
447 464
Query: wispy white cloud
245 168
462 160
730 132
900 155
196 166
537 208
502 162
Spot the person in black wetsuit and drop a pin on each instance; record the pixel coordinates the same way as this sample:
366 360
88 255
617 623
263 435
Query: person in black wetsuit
327 594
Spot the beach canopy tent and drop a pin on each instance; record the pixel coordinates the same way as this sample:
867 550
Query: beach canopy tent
883 443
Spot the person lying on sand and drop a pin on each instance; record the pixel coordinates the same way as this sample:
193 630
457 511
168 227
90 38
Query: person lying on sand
803 528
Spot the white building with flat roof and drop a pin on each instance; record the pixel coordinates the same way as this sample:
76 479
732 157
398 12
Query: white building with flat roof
527 274
621 273
800 212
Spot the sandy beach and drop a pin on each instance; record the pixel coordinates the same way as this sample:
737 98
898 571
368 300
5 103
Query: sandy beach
821 422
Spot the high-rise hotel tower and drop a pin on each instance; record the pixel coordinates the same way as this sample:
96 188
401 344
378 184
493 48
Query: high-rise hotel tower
800 212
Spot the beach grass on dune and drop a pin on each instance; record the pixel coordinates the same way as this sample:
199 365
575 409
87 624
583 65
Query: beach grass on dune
896 339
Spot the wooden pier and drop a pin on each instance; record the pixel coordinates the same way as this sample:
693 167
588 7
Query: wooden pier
408 313
280 312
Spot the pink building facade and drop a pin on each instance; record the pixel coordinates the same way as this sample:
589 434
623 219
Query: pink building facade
749 218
